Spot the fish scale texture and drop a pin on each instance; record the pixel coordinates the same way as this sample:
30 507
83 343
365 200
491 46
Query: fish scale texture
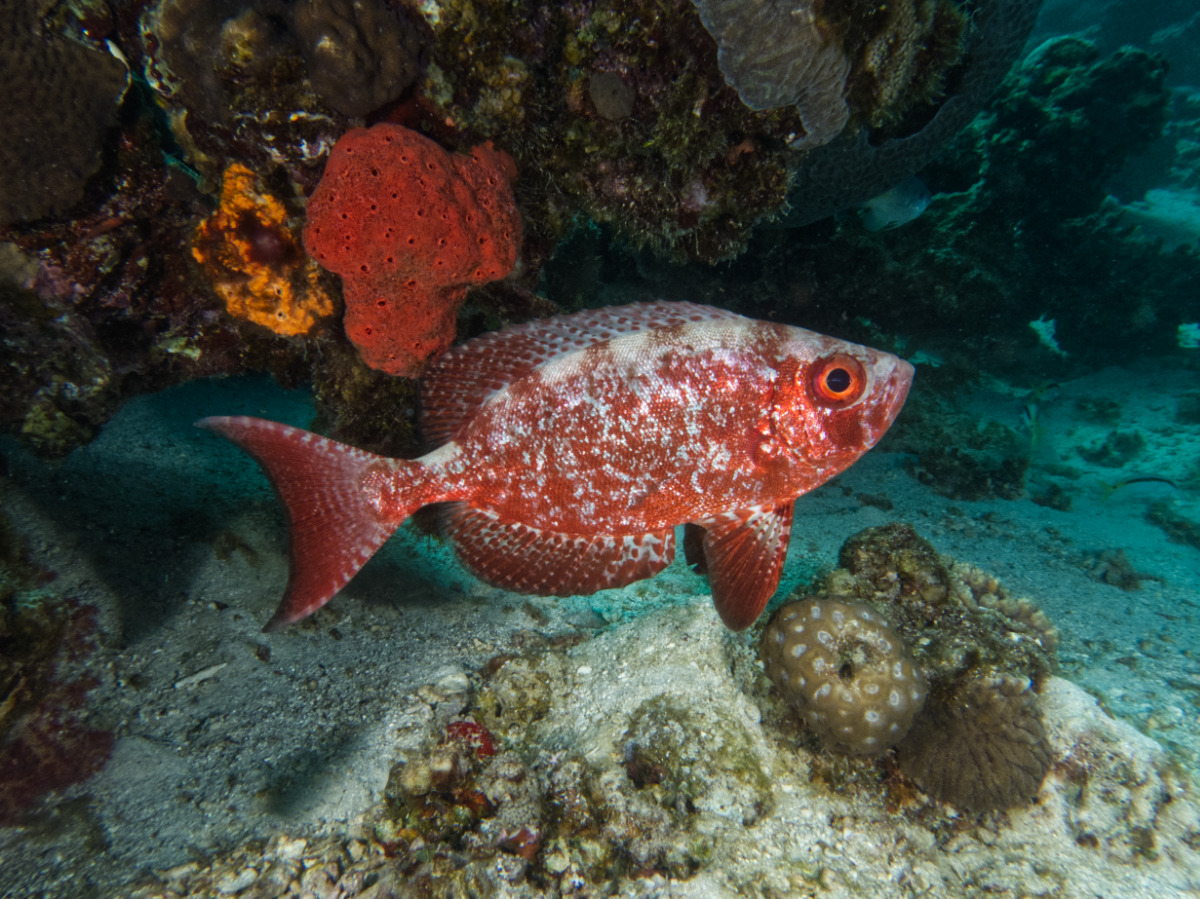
547 563
410 228
462 380
625 422
659 423
335 526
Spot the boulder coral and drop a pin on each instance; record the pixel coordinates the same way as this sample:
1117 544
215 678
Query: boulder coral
60 99
847 674
410 228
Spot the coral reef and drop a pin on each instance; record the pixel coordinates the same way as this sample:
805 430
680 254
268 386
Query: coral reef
361 54
410 228
981 748
60 100
622 112
649 760
625 111
106 305
235 85
846 673
776 54
983 653
1115 806
863 164
255 261
1000 246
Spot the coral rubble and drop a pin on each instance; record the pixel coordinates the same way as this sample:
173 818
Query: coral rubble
636 763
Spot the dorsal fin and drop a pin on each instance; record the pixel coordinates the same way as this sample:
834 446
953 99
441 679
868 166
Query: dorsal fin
463 379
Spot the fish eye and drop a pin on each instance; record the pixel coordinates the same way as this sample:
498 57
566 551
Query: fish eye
838 380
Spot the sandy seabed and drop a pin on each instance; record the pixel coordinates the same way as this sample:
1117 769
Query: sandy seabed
228 738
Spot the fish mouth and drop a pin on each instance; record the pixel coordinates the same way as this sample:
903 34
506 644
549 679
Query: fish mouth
890 396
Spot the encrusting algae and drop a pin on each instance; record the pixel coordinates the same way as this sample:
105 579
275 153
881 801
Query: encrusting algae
255 262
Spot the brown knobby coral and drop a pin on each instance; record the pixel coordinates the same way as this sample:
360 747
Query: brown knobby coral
361 54
60 98
982 747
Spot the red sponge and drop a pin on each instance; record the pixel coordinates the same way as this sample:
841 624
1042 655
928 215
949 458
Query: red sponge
410 228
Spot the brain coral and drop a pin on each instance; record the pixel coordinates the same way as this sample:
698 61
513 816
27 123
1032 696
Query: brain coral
845 671
410 228
59 98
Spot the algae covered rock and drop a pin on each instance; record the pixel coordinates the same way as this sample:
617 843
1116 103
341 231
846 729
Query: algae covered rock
631 752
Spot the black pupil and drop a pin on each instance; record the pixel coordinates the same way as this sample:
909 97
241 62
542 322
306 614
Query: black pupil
837 380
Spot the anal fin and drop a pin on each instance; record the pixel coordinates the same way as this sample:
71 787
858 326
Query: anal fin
744 550
547 563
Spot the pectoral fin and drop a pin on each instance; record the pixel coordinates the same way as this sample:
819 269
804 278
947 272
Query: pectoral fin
744 550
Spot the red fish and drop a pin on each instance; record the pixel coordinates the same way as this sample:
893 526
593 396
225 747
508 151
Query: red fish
570 448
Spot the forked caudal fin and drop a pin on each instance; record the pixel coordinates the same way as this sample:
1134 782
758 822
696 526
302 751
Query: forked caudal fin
342 504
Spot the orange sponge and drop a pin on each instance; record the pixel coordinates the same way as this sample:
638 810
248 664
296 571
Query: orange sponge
255 262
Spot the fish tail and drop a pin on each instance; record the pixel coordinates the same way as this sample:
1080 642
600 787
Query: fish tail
342 504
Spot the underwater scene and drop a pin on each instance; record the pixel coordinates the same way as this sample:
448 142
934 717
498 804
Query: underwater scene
632 448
